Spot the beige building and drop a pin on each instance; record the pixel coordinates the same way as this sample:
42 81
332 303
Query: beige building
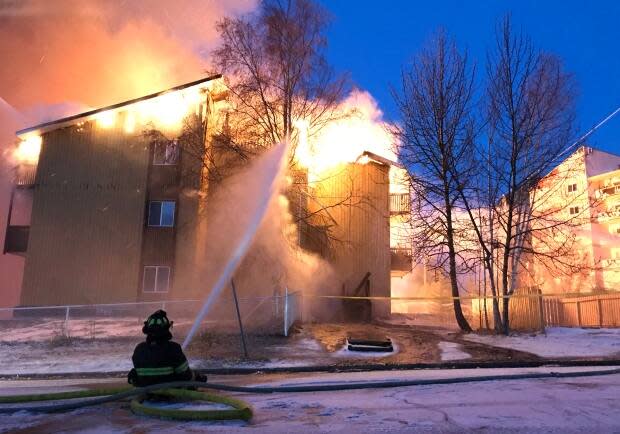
582 190
117 211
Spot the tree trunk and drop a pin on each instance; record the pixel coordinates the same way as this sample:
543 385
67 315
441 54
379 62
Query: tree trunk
456 302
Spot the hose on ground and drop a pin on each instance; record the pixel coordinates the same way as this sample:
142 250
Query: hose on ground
239 409
124 393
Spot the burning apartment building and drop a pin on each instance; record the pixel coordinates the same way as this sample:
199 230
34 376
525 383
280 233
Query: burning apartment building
115 201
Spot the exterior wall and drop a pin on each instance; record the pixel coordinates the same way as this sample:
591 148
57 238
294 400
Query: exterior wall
159 243
356 199
595 173
87 217
553 201
605 194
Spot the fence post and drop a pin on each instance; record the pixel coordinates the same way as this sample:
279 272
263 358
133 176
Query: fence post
541 307
578 314
67 321
600 312
286 311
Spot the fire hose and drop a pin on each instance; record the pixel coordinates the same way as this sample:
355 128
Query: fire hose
239 409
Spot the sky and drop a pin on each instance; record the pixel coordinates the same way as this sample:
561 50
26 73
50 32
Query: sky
374 39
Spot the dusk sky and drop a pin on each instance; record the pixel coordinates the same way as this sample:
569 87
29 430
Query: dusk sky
373 39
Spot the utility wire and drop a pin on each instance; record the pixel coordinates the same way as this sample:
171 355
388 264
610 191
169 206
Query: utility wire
590 132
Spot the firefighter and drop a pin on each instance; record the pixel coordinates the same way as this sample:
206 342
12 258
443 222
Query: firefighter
159 359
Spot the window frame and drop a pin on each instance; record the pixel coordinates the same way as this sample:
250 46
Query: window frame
161 214
575 208
572 188
165 161
155 283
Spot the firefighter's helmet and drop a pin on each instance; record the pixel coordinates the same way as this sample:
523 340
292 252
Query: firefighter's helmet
157 324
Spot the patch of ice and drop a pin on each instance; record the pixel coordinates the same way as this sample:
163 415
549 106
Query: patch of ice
452 351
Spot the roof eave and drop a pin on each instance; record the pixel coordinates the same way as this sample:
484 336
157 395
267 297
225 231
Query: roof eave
47 126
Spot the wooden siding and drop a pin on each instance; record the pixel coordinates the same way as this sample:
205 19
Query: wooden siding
355 198
87 217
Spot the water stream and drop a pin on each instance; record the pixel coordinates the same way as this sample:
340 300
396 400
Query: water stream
264 178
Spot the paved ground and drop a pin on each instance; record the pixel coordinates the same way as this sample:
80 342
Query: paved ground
574 405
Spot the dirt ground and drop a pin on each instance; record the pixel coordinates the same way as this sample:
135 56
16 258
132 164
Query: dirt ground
324 344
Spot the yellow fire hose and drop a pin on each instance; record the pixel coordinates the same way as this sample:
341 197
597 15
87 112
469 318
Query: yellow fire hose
238 408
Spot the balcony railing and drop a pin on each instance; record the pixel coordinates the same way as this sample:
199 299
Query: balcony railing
25 175
16 240
400 259
610 263
607 215
400 203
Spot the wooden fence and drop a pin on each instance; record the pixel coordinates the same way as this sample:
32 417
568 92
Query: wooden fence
525 310
601 310
531 310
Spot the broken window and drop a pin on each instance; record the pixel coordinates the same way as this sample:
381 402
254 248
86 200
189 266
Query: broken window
165 153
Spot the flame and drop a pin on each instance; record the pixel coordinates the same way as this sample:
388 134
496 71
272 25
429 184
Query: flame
165 112
28 149
359 127
169 110
130 122
106 119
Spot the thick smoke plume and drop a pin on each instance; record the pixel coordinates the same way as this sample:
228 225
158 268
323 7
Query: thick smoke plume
98 52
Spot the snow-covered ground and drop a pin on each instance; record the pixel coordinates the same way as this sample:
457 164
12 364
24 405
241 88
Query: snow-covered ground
569 405
559 342
452 351
101 328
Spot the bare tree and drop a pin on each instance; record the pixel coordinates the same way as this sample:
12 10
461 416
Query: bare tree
275 69
530 112
436 143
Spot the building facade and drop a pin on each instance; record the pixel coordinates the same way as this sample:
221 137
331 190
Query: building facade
116 204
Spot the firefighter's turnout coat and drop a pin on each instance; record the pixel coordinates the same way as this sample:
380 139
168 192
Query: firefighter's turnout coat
159 361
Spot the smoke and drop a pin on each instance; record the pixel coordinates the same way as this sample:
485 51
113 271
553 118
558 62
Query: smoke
98 52
10 266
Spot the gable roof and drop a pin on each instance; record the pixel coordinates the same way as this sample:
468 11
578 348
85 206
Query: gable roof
46 126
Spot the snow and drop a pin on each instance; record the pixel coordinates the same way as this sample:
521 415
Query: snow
74 328
554 405
452 351
558 342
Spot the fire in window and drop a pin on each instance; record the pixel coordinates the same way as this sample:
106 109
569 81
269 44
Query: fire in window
156 278
165 153
161 213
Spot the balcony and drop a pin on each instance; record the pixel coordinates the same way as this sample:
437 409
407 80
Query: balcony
400 259
25 175
610 263
400 204
16 240
607 215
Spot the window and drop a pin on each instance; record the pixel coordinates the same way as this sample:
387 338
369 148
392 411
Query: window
165 153
572 188
161 213
573 210
156 278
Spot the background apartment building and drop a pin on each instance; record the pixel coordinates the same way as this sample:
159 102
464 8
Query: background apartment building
582 190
